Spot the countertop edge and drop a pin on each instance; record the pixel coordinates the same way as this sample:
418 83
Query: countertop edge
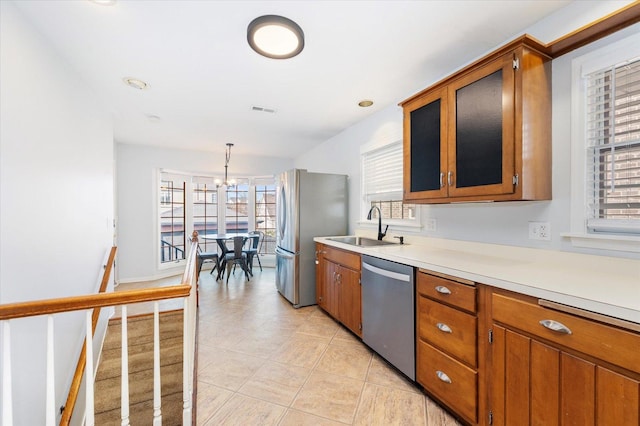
567 297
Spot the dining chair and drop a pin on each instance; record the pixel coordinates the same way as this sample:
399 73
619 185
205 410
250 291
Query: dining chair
255 244
237 257
207 257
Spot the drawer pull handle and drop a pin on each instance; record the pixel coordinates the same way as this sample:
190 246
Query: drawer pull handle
443 376
444 328
555 326
443 290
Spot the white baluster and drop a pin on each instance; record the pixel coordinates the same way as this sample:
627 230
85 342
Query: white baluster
7 402
157 384
51 386
186 385
124 382
89 379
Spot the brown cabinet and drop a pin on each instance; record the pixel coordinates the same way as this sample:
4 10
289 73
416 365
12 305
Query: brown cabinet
338 289
483 133
551 368
446 347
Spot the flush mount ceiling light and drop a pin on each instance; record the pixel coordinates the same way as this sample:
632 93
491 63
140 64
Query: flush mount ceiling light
365 103
275 37
135 83
104 2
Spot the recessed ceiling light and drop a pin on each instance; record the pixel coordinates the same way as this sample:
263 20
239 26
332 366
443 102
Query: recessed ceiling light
135 83
275 37
365 103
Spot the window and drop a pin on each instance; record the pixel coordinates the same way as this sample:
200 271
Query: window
205 212
186 203
237 208
382 184
172 218
613 148
605 146
265 214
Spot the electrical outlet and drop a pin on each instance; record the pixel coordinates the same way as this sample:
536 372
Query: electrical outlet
430 225
540 231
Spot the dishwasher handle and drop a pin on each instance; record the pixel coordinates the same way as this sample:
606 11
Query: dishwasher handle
389 274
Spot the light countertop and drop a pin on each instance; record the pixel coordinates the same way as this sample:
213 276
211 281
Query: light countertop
606 285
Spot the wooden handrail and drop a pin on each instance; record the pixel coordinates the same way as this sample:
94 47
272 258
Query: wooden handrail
77 303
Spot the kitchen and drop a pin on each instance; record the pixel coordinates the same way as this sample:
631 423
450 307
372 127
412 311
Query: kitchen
504 224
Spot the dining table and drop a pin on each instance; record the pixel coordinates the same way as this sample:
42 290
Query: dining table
221 239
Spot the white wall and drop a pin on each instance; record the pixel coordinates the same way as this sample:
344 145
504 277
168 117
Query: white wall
498 223
56 192
137 168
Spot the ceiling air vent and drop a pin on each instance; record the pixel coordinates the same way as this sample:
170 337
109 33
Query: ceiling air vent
262 109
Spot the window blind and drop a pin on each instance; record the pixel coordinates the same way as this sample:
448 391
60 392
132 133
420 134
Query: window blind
613 148
382 173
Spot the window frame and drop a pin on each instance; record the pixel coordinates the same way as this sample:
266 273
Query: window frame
605 56
409 224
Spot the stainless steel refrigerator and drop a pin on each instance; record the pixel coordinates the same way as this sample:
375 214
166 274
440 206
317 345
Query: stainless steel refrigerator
308 205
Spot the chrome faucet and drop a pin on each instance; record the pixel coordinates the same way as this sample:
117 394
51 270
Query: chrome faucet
380 233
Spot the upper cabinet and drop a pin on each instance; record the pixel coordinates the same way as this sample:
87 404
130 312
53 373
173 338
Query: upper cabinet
484 133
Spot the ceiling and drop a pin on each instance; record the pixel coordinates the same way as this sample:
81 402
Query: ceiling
205 79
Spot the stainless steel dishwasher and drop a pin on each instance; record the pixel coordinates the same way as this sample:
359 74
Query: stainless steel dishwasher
388 306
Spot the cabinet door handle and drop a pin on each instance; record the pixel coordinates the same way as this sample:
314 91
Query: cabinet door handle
450 178
441 179
444 328
443 376
443 290
556 326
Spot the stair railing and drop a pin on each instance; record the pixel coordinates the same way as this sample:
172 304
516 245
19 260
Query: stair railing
89 304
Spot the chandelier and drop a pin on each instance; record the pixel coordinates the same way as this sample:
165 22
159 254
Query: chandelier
226 181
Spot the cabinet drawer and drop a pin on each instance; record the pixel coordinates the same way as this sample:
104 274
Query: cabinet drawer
449 329
342 257
450 292
619 347
457 387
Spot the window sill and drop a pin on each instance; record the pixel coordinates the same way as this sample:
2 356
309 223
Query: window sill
605 242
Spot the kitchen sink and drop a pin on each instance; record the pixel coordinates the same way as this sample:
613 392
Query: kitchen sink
360 241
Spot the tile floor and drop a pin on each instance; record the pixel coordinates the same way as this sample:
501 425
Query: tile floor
262 362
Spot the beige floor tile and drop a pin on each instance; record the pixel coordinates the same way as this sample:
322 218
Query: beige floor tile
242 410
210 399
325 328
345 360
300 350
381 373
228 369
329 396
437 416
343 335
388 406
299 418
276 383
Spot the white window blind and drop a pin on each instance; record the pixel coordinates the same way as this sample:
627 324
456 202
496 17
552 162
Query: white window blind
613 148
382 173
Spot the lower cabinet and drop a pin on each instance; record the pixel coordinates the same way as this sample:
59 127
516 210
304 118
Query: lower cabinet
338 289
553 368
446 347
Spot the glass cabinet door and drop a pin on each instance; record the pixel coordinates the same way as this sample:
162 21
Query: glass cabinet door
425 152
481 132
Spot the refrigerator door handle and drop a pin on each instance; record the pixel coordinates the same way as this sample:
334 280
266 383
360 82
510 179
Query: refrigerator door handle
284 253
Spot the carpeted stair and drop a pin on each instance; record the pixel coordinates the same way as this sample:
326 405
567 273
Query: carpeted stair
140 337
